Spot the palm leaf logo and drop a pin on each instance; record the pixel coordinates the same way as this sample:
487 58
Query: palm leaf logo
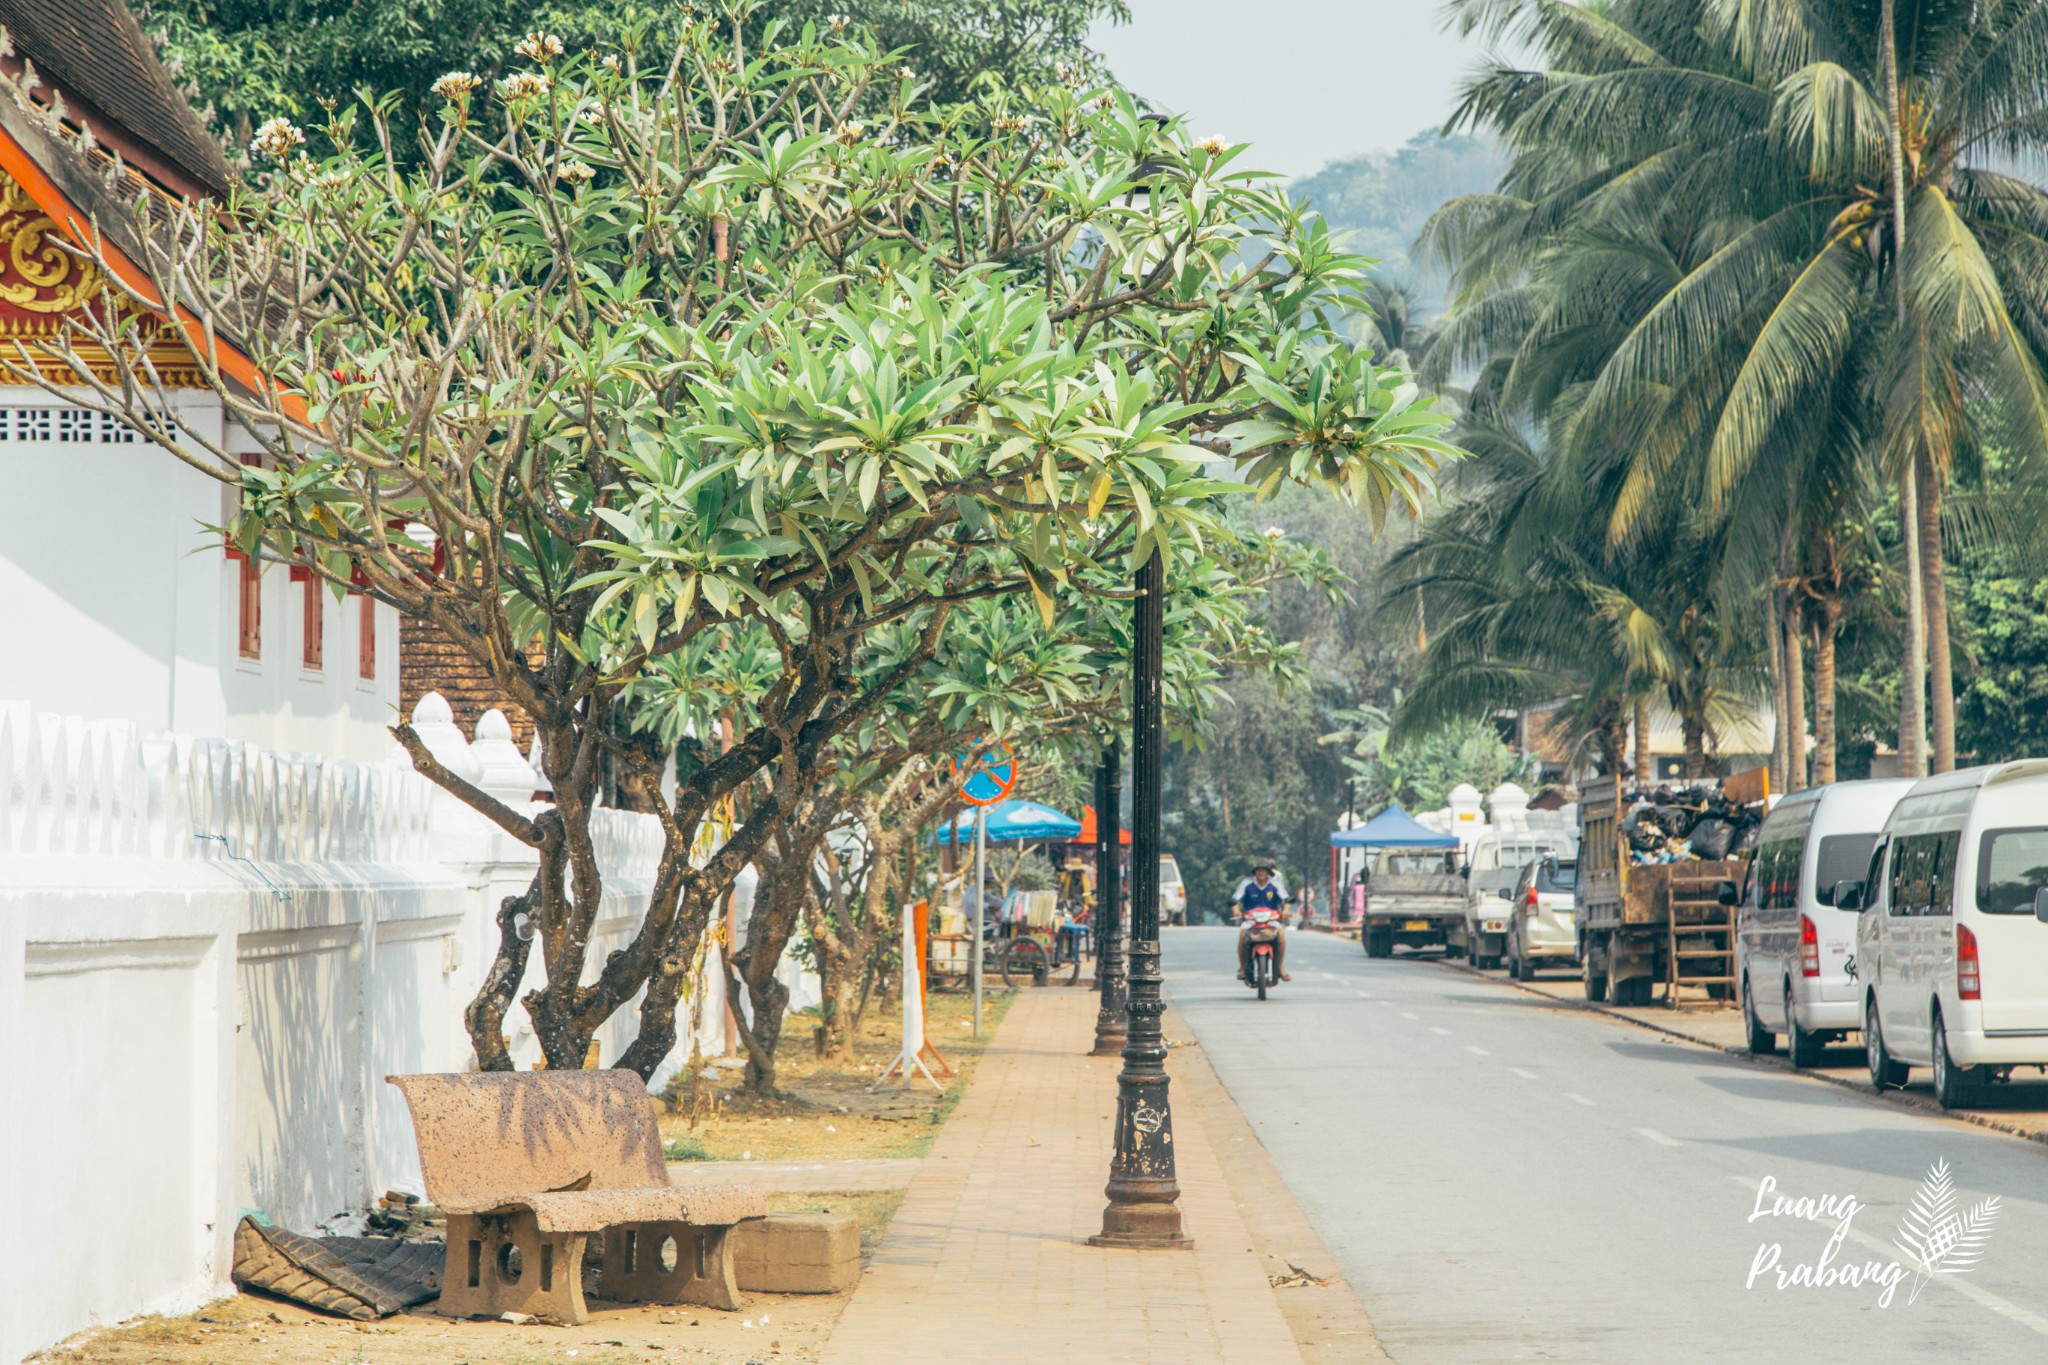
1940 1236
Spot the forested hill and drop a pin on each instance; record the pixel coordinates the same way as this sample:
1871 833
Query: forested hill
1384 198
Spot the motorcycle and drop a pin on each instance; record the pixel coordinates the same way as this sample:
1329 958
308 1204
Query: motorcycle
1262 965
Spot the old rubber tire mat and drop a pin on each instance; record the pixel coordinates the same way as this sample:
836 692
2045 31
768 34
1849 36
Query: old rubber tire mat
356 1277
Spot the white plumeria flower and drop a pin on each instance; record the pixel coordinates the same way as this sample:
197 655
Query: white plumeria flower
576 173
522 85
1213 145
278 139
457 85
539 47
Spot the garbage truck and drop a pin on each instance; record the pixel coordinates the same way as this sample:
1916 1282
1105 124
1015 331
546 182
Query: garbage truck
1652 865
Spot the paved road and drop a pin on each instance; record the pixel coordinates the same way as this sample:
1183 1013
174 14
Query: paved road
1502 1178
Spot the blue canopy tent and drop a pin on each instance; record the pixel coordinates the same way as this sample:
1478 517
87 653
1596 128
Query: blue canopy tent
1014 822
1391 828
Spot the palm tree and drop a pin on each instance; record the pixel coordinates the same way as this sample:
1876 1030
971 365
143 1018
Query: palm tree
1831 250
1530 606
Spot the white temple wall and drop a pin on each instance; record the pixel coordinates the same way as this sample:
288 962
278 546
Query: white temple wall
193 1035
119 606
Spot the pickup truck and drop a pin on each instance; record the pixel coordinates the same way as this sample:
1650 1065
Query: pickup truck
1409 898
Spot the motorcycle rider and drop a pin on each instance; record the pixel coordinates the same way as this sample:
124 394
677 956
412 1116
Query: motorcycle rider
1260 893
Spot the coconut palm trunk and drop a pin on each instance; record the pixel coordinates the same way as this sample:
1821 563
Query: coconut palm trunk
1940 677
1644 762
1695 748
1795 696
1829 622
1774 639
1913 678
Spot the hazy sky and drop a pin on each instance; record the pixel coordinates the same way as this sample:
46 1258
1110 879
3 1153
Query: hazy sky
1304 81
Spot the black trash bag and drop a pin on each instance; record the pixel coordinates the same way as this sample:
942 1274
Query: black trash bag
1676 819
1712 837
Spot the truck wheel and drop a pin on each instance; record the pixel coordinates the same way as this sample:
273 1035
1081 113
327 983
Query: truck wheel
1525 970
1379 943
1635 991
1596 976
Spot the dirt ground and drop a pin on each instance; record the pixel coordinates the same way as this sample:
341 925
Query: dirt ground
828 1111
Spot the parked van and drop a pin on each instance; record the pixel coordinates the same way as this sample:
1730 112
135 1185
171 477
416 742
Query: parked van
1952 949
1497 859
1173 892
1795 949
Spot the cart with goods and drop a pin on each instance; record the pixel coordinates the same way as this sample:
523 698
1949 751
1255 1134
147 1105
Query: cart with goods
949 952
1651 865
1036 953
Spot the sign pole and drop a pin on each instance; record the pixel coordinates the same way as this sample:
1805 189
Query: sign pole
980 902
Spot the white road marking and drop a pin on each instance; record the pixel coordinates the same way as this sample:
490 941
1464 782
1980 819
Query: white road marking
1364 995
1581 1099
1968 1289
1653 1135
1388 1003
1444 1031
1406 1015
1525 1075
1477 1051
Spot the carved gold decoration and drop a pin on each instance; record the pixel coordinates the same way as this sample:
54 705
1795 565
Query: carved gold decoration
45 278
42 285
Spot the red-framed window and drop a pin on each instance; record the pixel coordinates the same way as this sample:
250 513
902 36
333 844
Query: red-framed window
249 592
313 647
250 608
366 638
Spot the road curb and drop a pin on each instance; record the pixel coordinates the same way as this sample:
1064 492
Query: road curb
1896 1098
1329 1323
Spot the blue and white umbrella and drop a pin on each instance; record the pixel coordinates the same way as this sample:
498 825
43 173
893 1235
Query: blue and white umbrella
1014 822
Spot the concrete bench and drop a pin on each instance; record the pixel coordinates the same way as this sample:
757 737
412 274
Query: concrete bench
528 1164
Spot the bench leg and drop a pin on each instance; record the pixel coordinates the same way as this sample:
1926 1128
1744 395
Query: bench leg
669 1263
503 1263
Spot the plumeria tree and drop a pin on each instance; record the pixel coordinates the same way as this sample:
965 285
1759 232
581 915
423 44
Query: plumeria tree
843 858
645 361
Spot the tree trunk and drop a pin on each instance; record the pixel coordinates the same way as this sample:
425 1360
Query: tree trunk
839 980
1824 690
1774 640
1695 748
1940 677
1644 762
1795 698
1613 741
1912 676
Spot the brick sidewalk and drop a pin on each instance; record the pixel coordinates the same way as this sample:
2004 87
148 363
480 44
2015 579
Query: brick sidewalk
800 1177
986 1260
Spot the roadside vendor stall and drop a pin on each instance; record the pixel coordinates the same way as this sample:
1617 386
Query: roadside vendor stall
1038 945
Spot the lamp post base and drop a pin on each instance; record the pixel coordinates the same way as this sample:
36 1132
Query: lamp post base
1142 1227
1109 1039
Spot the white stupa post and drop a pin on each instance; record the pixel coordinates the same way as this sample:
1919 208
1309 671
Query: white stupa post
912 1055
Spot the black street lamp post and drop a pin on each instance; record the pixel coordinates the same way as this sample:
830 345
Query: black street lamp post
1110 1032
1143 1211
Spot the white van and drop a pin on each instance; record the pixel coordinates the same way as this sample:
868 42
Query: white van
1953 945
1795 950
1497 859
